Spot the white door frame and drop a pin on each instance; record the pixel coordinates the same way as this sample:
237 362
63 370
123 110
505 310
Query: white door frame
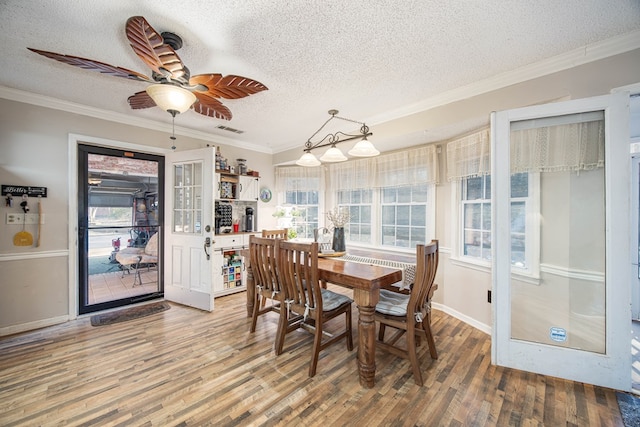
73 141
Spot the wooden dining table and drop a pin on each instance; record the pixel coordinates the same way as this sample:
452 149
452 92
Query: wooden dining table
366 281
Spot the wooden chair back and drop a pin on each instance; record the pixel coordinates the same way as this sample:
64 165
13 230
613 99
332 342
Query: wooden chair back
263 262
276 234
298 264
265 277
427 258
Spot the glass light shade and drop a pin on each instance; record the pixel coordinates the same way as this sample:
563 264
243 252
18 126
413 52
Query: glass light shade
364 148
333 155
170 97
308 160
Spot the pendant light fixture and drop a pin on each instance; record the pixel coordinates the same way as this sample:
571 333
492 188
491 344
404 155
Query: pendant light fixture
364 148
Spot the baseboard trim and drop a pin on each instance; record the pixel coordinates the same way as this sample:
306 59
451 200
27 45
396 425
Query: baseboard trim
24 327
466 319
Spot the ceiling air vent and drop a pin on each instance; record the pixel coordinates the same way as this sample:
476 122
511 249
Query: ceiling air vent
227 128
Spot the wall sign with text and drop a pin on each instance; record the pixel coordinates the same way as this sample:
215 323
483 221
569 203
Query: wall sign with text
20 190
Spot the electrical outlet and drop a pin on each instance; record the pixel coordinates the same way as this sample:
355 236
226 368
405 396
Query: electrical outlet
24 219
489 296
14 218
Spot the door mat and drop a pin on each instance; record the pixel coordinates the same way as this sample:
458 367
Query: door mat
129 314
629 408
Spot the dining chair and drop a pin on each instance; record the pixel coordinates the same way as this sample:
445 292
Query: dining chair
277 234
263 264
298 269
410 314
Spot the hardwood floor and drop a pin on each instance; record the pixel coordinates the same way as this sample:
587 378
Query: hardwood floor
186 367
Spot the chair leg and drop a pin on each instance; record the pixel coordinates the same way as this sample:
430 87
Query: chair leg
315 352
426 326
254 315
349 334
283 325
381 332
413 357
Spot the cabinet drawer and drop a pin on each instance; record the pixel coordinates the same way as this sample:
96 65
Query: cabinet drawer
233 240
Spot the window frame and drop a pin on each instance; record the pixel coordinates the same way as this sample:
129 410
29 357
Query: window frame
528 274
376 218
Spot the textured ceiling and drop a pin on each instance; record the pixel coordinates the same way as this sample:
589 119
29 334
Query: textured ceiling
369 59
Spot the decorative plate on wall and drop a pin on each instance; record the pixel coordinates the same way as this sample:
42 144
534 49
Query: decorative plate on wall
265 195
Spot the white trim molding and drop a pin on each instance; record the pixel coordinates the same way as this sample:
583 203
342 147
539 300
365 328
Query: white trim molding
37 324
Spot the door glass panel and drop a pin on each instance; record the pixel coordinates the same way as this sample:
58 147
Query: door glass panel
187 201
120 203
567 307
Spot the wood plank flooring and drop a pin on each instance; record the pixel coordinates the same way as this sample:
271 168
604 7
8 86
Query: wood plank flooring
185 367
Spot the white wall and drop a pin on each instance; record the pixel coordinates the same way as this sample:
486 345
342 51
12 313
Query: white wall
34 151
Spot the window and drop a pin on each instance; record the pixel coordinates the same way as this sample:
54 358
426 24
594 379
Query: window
399 221
476 219
359 203
305 218
404 216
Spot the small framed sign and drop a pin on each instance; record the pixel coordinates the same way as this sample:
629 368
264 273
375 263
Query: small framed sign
20 190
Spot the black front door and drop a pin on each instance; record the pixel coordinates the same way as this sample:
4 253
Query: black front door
120 213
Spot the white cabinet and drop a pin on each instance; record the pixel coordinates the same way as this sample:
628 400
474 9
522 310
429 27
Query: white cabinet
249 190
229 272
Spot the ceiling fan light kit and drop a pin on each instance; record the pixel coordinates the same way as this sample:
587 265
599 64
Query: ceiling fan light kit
364 147
171 98
173 88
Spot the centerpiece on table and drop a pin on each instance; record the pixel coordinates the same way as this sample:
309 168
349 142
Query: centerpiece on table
339 217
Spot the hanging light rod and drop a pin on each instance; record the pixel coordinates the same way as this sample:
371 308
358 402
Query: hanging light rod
363 148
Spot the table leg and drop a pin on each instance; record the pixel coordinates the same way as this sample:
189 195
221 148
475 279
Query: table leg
366 302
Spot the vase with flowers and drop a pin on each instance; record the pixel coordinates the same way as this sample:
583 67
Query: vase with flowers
339 217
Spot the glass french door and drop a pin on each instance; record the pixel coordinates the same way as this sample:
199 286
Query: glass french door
570 318
119 212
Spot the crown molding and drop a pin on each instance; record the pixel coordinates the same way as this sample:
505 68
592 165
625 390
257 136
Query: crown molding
85 110
580 56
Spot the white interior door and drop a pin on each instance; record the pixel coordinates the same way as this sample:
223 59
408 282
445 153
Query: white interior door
188 215
571 317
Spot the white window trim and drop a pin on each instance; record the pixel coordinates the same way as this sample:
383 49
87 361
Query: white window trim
530 275
430 223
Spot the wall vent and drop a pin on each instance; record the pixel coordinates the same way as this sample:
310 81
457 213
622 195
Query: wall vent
227 128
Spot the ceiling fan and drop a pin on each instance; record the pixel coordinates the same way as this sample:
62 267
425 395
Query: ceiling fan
169 76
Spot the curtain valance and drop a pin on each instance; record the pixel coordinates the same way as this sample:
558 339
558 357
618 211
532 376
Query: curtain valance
560 147
469 156
566 147
299 178
408 167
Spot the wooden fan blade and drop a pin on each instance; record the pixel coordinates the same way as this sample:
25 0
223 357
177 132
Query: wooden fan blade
91 65
229 87
151 48
140 100
211 107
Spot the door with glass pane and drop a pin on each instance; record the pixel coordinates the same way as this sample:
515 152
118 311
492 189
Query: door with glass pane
569 316
119 219
189 207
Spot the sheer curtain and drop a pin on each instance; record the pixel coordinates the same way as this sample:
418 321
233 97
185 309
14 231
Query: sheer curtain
407 167
469 156
352 175
534 148
292 178
564 147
